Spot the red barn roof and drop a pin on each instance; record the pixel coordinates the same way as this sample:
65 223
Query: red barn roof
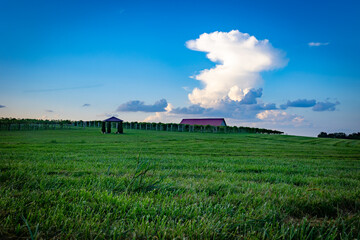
204 121
113 119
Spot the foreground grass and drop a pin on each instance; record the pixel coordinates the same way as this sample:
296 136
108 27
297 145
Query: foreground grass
80 184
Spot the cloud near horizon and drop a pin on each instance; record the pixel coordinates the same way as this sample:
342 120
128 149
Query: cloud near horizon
226 109
86 105
299 103
239 60
246 108
325 106
140 106
49 111
2 106
277 116
316 106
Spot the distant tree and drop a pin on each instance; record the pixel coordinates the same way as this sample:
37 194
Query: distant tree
340 135
208 128
323 135
354 136
120 128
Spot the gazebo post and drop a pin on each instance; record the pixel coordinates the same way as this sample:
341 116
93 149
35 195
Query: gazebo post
120 129
108 130
103 128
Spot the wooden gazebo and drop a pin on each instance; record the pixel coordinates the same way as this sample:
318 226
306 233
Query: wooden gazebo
106 125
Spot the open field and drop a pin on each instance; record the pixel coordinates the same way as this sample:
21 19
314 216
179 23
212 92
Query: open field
81 184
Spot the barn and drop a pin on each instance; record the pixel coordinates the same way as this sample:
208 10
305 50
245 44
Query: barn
204 121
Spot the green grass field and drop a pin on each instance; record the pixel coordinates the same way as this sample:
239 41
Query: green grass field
81 184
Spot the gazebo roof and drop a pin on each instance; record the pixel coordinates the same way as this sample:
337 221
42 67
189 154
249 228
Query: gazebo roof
113 119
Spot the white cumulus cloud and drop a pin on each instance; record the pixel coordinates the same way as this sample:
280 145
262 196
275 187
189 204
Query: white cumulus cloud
167 116
277 116
239 60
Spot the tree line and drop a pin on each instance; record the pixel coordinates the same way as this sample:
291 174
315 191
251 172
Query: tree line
175 127
38 124
340 135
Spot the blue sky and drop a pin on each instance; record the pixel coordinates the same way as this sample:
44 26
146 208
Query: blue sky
90 59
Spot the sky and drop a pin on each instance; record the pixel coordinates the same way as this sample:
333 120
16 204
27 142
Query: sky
286 65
